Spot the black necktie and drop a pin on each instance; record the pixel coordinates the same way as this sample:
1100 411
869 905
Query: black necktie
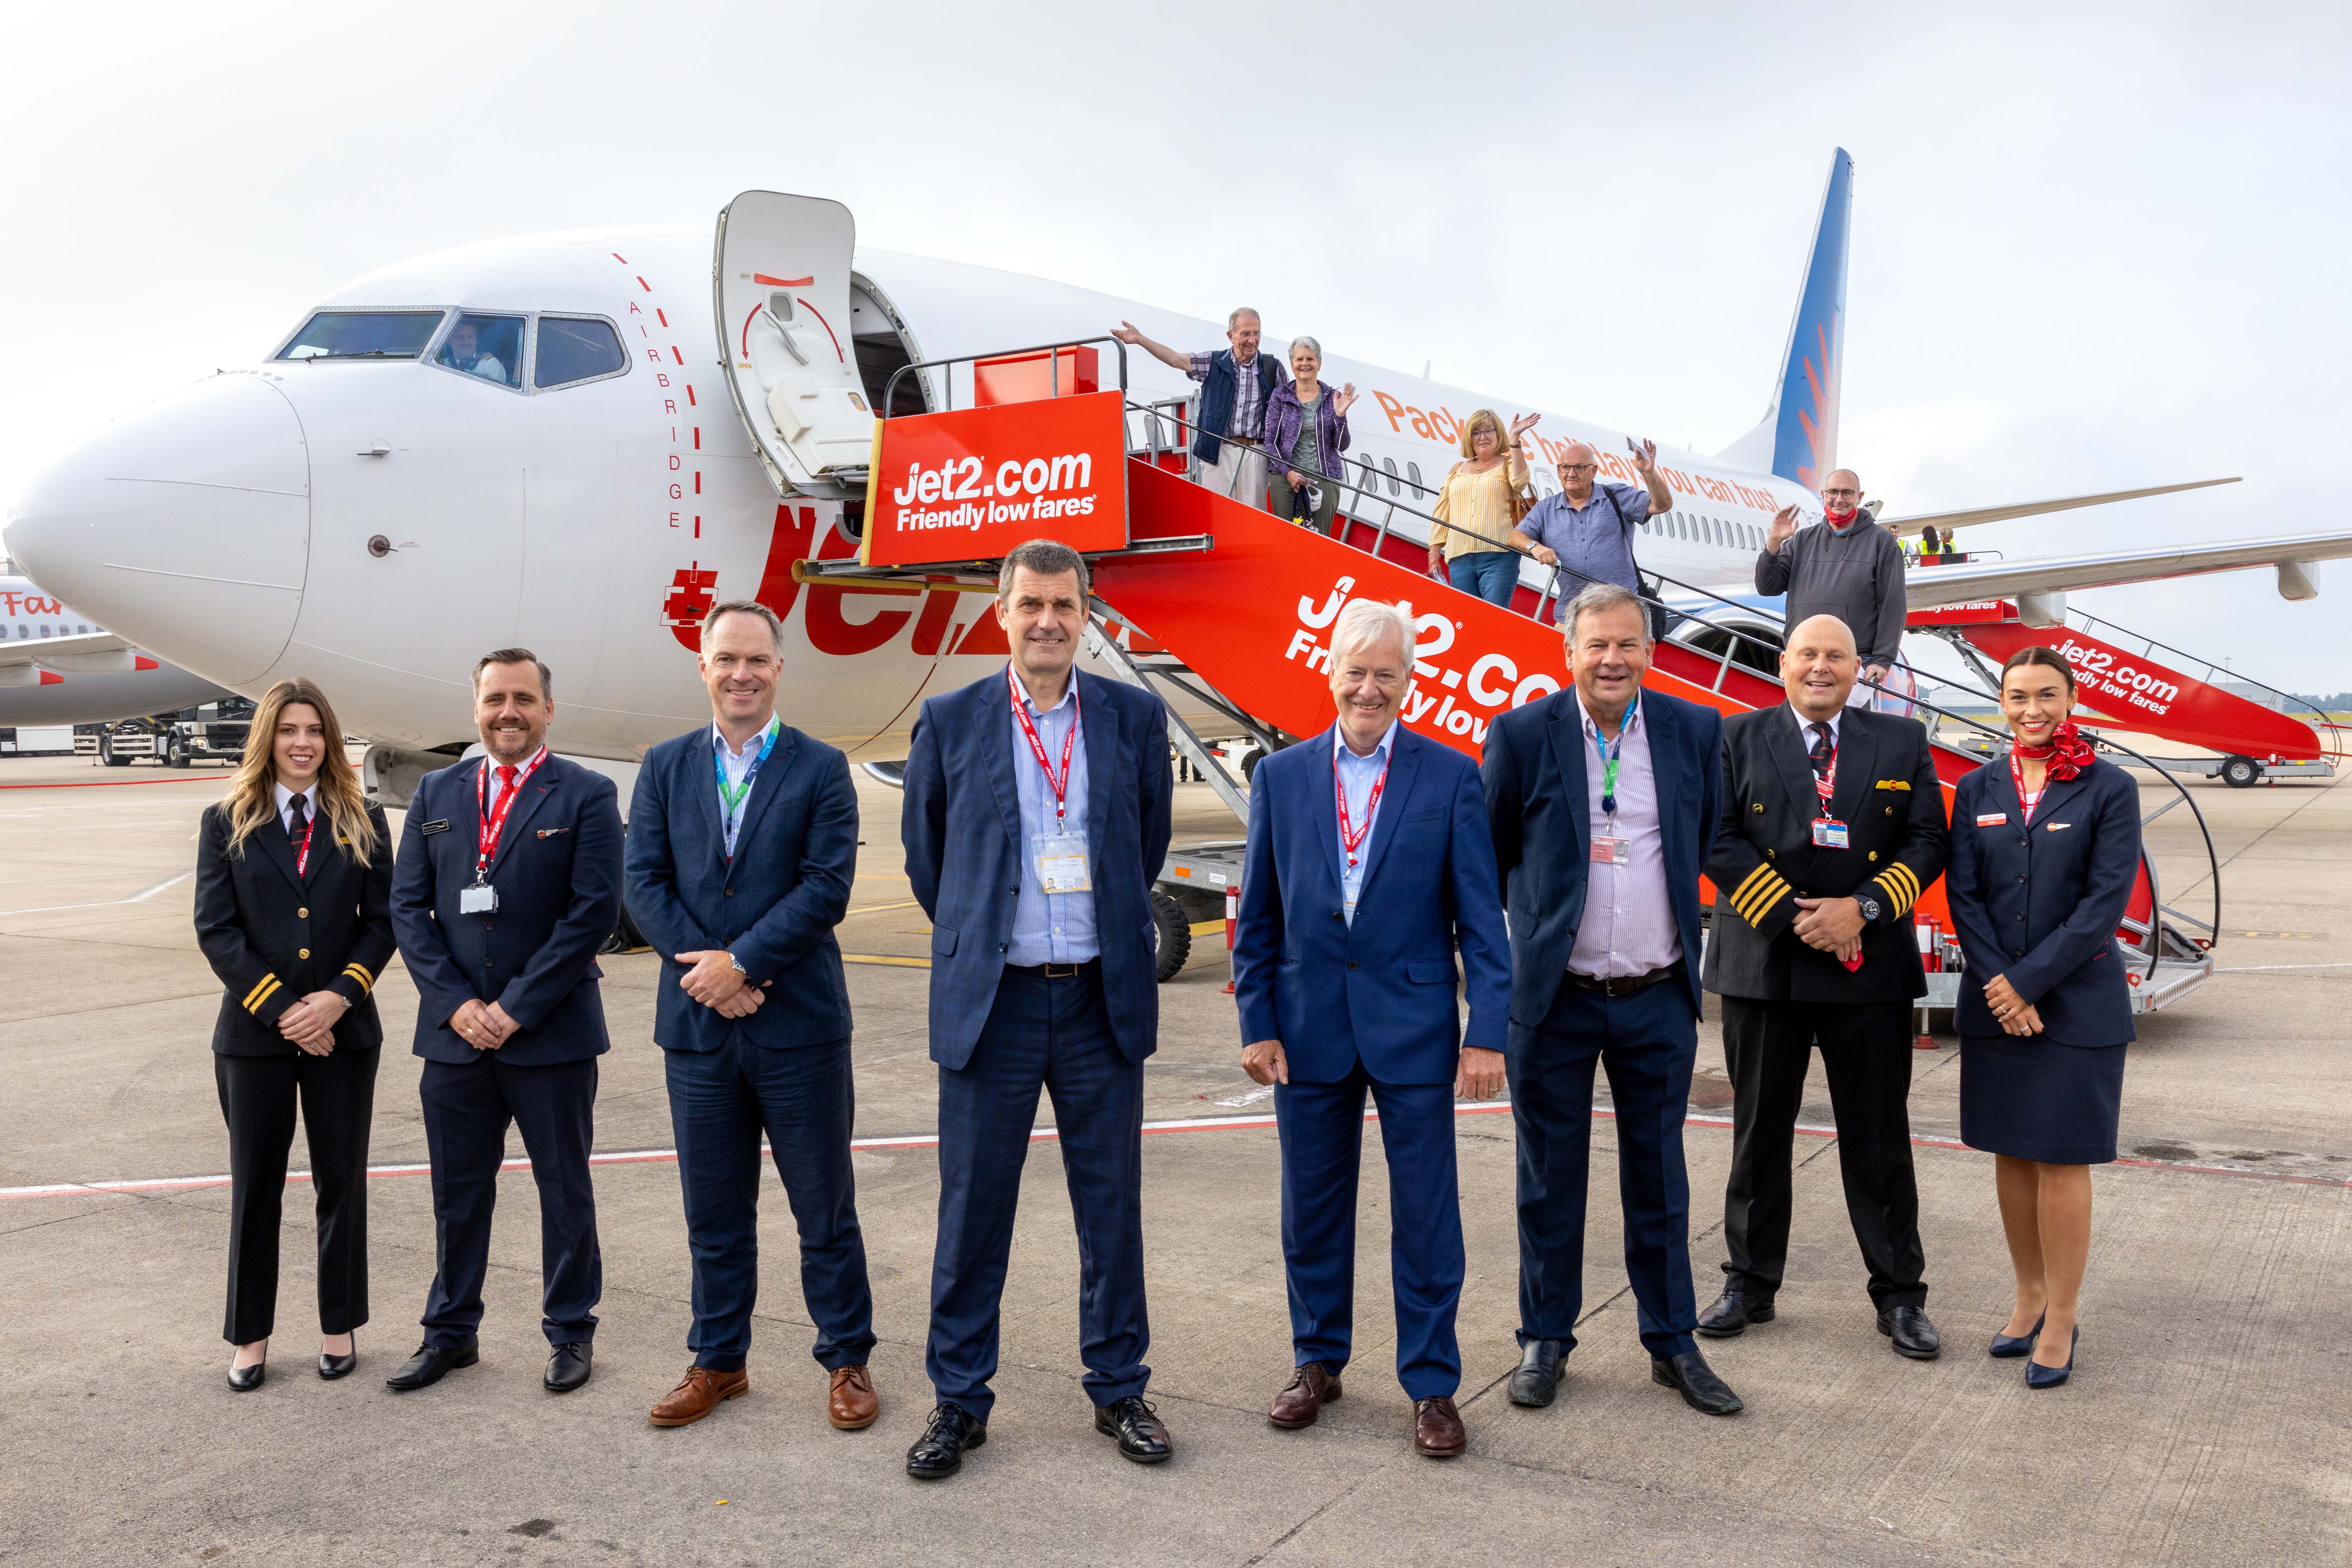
296 815
1822 752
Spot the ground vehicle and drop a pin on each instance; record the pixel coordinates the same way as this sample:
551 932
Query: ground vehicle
211 730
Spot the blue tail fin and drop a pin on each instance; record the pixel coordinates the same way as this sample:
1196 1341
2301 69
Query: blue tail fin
1797 437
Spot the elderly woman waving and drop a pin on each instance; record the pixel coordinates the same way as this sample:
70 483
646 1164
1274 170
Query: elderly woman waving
1478 505
1306 431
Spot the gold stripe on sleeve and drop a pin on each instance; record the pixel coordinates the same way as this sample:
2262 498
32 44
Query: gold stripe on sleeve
260 989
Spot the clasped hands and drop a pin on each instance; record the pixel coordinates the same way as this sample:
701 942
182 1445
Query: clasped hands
484 1025
1832 925
2010 1011
712 979
310 1022
1479 1077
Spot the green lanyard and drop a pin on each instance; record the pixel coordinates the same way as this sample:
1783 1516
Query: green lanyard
1609 752
734 793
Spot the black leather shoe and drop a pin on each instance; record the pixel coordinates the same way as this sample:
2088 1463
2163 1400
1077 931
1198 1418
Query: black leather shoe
1701 1390
1537 1380
567 1369
1137 1426
939 1452
331 1367
1913 1334
429 1365
246 1379
1731 1312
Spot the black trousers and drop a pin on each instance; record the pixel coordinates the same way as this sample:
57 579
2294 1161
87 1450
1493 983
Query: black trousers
1866 1053
257 1097
467 1109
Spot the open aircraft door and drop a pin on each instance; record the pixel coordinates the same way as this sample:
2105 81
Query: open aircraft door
779 282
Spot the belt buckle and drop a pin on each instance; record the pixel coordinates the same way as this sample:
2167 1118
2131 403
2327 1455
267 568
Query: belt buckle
1619 984
1060 971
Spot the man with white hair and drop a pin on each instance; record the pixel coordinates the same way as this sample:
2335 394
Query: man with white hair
1369 864
1236 382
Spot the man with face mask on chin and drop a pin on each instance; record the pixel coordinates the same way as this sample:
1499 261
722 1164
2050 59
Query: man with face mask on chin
1847 567
507 882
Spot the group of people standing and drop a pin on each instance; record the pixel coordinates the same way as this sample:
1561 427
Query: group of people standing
1563 874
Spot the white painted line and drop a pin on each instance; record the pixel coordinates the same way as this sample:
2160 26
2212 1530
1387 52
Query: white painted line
140 897
1252 1098
2271 968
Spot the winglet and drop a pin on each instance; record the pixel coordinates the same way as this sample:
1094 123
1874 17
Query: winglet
1797 438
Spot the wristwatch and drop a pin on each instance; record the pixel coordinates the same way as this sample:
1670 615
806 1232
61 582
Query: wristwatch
1870 909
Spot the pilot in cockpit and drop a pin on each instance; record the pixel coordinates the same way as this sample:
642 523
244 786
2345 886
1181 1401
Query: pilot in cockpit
464 352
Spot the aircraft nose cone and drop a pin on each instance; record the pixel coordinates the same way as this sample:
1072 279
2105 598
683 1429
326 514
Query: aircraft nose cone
184 526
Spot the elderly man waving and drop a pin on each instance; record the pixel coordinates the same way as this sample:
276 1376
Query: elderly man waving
1370 862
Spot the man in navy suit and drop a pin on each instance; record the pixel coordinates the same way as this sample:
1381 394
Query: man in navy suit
507 882
1036 817
1369 863
1603 800
742 845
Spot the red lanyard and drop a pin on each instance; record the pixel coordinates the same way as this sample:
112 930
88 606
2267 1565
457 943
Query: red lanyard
302 853
1351 838
493 822
1060 787
2026 803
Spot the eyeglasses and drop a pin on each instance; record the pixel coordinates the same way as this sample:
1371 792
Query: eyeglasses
1828 493
1578 468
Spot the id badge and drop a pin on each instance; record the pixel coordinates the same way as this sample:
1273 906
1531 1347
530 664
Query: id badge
1062 862
482 898
1612 851
1828 833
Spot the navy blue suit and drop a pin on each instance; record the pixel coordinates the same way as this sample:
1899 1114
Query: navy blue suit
999 1033
1539 798
782 1070
1370 1006
558 876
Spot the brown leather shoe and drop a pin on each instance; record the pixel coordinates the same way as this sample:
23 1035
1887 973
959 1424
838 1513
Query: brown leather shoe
1302 1399
1437 1428
701 1393
853 1405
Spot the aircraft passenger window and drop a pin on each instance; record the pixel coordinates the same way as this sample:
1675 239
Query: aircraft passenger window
363 335
1413 478
487 346
1370 479
571 349
1390 464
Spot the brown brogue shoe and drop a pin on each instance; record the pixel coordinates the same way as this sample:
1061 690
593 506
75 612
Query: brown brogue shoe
700 1393
853 1405
1437 1428
1302 1399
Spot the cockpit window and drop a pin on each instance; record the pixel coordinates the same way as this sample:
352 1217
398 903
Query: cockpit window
570 349
363 335
487 346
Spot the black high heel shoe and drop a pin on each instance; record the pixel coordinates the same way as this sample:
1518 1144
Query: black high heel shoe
2008 1346
246 1379
2040 1376
331 1367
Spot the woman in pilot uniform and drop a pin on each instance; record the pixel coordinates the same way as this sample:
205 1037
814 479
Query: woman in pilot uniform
2045 851
294 913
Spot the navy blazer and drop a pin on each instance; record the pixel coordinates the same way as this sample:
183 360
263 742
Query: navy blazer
2040 904
774 906
1538 801
1381 990
962 828
557 873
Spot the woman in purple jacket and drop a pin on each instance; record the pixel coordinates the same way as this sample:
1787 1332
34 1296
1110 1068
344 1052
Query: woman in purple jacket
1306 431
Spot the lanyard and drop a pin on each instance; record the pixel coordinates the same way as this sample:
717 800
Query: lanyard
733 794
1060 787
1351 838
302 852
1825 779
1610 752
2026 803
493 821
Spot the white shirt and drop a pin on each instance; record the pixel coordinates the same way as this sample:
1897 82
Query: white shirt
497 785
286 803
1356 776
1628 927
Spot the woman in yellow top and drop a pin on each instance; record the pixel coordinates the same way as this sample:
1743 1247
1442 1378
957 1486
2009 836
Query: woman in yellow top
1476 500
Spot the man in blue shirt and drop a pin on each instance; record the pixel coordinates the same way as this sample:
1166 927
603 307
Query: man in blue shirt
1586 529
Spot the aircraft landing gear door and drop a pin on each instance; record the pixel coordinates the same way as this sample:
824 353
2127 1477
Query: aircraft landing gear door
781 283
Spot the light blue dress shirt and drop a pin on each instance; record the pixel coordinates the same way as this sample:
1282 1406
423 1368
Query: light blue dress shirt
1356 776
1049 928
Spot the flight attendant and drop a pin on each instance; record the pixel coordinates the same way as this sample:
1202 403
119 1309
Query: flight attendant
294 913
2045 851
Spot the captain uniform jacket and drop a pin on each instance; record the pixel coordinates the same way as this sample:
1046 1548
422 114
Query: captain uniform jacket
1765 859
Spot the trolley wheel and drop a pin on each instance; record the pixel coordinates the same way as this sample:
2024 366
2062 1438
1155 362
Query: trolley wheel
106 752
1249 765
176 754
2241 773
1171 936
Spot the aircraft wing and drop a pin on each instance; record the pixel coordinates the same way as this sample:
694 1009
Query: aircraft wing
92 653
1927 587
1906 527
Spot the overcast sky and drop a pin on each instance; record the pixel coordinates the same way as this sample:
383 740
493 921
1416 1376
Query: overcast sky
2094 249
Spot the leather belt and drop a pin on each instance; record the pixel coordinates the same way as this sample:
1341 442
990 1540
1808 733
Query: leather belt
1626 984
1054 971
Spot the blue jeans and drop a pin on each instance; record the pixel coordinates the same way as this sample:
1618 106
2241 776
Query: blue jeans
1491 574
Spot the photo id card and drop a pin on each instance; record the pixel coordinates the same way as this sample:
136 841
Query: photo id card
1611 851
482 898
1061 862
1828 833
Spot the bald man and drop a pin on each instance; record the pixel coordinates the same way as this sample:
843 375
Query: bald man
1586 529
1832 825
1844 568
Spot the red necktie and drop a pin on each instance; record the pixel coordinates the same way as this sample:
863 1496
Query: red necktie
506 779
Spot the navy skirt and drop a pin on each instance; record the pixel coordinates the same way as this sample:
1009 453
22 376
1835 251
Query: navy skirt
2032 1098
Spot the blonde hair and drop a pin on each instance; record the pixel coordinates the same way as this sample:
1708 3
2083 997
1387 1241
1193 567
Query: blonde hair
1491 420
252 800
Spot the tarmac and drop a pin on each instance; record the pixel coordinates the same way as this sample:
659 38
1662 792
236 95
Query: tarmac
2206 1423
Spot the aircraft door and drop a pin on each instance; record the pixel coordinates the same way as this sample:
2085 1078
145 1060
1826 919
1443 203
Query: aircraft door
781 294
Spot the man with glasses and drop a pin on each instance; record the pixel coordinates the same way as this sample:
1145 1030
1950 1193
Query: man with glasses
1844 568
1586 529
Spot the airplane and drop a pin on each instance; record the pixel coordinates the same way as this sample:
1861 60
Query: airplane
60 666
576 442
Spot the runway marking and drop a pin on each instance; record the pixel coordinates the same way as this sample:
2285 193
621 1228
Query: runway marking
1043 1134
877 908
140 897
118 783
2267 968
886 958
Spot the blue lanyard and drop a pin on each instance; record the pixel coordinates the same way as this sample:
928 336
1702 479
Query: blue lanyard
1609 755
732 794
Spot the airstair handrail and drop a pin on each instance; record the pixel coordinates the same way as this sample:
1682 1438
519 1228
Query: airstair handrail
2215 675
947 382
